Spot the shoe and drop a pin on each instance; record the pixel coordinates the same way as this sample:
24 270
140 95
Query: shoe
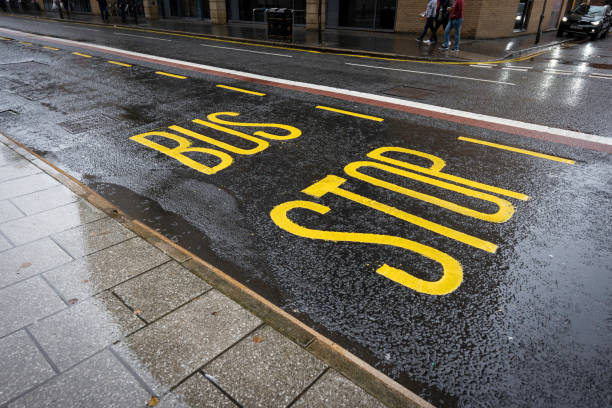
456 49
419 40
443 48
427 42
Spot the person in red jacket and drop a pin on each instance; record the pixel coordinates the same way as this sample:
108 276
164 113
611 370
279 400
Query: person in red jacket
456 19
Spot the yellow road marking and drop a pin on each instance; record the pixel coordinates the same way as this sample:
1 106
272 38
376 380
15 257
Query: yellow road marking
25 43
241 90
50 48
517 150
5 39
170 75
523 58
82 55
119 63
359 115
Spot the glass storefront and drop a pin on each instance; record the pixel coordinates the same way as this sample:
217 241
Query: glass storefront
184 8
366 14
242 10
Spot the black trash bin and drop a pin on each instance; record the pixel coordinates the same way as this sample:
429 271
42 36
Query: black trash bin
280 23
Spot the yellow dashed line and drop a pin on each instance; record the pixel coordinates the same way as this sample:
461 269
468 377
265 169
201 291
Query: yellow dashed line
170 75
50 48
517 150
241 90
359 115
82 55
5 39
25 43
119 63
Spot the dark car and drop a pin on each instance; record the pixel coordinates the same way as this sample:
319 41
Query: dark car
594 21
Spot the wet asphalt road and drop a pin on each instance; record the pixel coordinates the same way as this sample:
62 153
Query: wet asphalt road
529 324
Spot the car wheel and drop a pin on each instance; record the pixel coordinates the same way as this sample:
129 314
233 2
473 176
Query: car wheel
559 33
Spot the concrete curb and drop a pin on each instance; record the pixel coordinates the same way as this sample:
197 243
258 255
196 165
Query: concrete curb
537 48
305 47
383 388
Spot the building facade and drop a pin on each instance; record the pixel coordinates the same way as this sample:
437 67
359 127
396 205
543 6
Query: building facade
483 18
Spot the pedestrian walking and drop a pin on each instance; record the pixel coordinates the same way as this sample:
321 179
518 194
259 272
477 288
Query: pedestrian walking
442 14
430 15
103 10
456 19
122 5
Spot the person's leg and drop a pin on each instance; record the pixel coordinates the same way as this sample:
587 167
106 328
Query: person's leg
427 25
434 30
447 34
458 33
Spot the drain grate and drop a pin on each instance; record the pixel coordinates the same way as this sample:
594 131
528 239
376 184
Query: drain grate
409 92
86 123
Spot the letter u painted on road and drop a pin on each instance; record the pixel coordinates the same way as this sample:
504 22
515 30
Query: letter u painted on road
452 273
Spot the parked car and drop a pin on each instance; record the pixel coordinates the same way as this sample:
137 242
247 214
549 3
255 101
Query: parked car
594 21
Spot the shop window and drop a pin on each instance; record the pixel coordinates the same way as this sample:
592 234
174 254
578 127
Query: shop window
365 14
522 16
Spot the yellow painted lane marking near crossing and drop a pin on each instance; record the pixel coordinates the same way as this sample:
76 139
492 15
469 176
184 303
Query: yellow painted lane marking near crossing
25 43
82 55
5 39
50 48
517 150
359 115
241 90
170 75
120 63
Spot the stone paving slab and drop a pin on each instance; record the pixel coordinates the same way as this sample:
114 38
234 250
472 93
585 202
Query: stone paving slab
161 290
101 381
40 225
177 345
93 237
84 329
104 269
22 366
25 302
19 169
332 389
26 185
44 200
4 244
8 211
197 392
31 259
272 370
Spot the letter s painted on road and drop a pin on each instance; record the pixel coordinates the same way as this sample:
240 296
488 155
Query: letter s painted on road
452 272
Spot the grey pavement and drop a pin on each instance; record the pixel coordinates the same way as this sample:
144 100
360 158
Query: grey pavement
401 44
93 315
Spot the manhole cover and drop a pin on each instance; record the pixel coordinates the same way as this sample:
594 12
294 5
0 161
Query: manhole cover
409 92
86 123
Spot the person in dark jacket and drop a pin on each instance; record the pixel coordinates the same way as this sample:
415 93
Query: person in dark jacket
103 9
442 14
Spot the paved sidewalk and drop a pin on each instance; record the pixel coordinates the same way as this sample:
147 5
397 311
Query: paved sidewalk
95 316
400 45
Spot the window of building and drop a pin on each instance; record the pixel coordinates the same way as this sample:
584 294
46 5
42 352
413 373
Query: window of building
366 14
244 9
522 16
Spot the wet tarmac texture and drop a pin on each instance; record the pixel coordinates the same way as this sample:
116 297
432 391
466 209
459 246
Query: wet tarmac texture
528 325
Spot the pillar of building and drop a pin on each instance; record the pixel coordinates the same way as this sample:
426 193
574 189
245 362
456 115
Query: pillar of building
218 11
151 9
95 7
312 14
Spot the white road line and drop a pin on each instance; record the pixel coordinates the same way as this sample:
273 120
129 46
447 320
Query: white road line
142 36
240 49
601 77
558 72
517 66
515 69
431 73
606 141
481 66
